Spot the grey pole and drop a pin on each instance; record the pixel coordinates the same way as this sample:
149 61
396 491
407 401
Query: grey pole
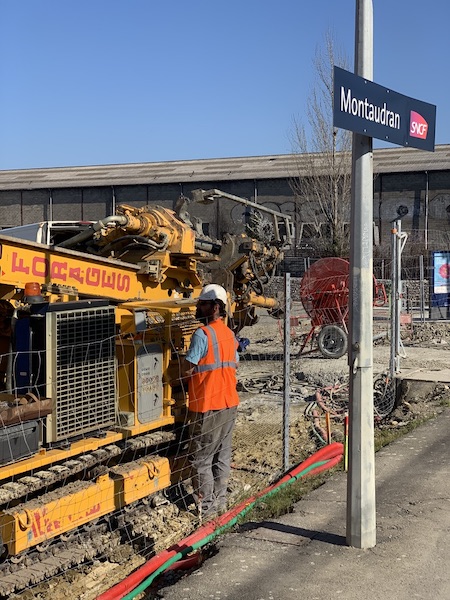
393 304
422 289
399 297
400 240
361 519
286 369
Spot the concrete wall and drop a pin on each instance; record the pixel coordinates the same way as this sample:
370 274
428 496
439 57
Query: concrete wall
92 203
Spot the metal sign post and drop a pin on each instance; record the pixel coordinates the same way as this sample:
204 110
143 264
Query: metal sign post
369 110
361 519
398 243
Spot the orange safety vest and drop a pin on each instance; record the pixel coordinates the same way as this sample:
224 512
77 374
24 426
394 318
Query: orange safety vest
213 383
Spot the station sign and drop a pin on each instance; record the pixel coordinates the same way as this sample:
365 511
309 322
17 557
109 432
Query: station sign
370 109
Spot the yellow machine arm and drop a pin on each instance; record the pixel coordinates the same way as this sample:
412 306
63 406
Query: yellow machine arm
175 255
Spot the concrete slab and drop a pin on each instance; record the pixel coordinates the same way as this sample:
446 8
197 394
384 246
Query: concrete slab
436 376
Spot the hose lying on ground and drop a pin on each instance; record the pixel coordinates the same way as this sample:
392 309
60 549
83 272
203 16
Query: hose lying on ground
142 578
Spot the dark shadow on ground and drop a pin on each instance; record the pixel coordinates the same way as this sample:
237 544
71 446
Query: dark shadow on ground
322 536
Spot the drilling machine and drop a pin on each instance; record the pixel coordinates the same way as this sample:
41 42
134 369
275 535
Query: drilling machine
94 320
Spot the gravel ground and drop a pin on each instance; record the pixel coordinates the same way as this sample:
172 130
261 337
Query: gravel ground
258 435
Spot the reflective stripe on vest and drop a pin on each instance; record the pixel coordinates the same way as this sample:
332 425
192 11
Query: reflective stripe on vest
213 383
217 364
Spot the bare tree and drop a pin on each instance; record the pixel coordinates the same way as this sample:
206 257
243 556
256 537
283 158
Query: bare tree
322 182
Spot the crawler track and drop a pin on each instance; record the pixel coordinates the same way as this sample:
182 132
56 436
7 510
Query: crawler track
30 484
37 566
149 524
148 528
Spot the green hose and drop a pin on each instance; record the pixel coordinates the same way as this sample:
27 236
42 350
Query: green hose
147 582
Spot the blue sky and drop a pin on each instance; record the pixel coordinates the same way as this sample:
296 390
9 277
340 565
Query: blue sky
92 82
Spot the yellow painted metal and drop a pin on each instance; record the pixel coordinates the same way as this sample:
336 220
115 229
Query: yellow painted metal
47 457
167 329
145 477
80 274
156 223
79 503
138 429
162 306
36 523
126 351
90 275
262 301
126 376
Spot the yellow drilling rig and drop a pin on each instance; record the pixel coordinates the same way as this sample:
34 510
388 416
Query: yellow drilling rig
94 319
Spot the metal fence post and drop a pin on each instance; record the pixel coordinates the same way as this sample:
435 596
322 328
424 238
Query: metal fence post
286 368
422 289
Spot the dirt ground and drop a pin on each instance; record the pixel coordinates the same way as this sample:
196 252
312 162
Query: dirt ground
317 384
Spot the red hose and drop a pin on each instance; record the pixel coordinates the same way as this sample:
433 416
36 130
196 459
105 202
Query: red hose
330 464
134 579
189 562
332 452
325 453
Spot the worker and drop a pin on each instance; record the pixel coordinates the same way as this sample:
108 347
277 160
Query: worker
210 366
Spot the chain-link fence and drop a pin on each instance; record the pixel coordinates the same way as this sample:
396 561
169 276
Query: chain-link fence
96 440
95 443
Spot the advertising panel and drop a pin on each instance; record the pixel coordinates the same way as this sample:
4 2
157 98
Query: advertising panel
440 285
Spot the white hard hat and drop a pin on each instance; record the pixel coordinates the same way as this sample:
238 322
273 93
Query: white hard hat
212 291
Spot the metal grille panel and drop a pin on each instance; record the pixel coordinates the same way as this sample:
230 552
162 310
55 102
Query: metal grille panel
83 370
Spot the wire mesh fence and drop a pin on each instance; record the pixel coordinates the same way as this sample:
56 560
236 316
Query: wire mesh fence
96 437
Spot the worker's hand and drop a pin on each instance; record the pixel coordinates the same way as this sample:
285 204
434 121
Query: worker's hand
186 372
187 369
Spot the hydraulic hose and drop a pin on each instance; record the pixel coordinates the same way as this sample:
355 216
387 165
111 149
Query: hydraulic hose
142 578
89 232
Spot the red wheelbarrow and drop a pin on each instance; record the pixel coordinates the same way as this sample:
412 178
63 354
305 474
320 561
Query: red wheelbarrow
324 292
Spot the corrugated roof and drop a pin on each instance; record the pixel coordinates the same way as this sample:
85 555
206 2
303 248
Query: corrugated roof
386 160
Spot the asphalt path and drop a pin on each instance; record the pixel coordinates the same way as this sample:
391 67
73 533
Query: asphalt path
304 555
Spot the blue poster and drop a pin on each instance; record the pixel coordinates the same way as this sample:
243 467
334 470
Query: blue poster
441 273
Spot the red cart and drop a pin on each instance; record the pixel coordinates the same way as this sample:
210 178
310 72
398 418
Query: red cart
324 292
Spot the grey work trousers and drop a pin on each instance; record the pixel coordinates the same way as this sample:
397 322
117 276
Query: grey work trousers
210 451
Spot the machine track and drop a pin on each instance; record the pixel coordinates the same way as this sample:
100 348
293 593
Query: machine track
149 526
66 470
143 524
39 565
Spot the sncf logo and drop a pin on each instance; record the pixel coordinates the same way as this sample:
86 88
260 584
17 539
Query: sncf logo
418 127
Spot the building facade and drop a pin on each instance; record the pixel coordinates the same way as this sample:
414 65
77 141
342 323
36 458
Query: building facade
403 177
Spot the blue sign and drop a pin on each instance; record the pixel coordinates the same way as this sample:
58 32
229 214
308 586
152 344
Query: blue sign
365 107
440 285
